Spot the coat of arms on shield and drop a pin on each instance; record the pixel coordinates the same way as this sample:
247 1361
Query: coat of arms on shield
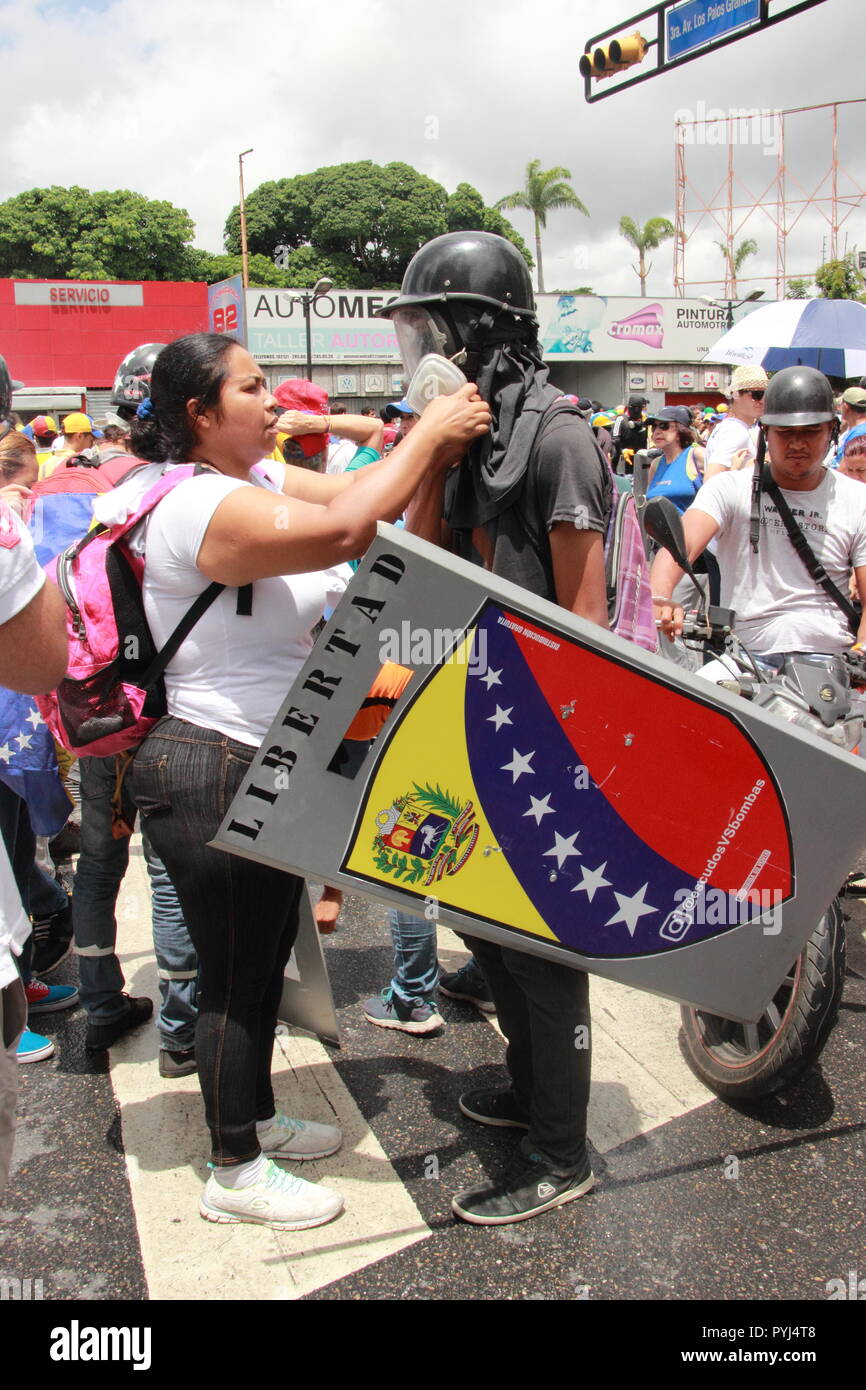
424 835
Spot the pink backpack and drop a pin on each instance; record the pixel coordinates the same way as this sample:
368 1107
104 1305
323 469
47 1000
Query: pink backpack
113 692
629 594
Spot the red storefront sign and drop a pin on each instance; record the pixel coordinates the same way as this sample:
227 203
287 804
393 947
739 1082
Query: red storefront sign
76 332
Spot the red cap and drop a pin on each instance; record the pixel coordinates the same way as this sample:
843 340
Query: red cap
297 394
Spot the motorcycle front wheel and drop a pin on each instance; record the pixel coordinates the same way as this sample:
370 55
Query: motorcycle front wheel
744 1061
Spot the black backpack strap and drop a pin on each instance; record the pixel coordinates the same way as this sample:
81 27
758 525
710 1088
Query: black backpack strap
757 484
244 607
807 555
184 627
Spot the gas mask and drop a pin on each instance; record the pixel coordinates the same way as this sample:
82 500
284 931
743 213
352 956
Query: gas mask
430 355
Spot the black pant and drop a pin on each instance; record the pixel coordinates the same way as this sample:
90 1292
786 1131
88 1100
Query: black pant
543 1010
242 918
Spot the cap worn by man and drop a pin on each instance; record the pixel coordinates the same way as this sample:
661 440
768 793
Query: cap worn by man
855 396
305 396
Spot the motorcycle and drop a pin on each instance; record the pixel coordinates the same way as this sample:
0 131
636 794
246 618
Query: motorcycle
745 1061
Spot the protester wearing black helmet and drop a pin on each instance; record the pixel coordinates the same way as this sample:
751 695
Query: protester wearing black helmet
531 502
132 379
780 607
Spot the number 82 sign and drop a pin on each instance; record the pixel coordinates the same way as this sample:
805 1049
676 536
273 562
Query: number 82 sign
225 308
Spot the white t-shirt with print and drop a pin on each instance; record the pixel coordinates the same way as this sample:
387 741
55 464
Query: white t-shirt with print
21 578
779 607
231 672
728 436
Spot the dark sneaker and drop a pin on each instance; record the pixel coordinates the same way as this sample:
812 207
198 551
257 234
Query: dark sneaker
387 1011
497 1108
469 985
52 940
177 1062
526 1192
103 1035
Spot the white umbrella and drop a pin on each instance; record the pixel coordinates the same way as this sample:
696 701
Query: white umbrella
829 334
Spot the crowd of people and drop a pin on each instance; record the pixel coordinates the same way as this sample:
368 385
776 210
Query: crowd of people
283 496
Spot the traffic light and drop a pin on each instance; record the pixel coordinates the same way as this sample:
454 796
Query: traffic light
616 57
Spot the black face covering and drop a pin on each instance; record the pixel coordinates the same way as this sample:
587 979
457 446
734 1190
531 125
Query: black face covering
504 360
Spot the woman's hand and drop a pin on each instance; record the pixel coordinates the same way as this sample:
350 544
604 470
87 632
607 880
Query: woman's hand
453 422
293 422
741 458
669 616
17 497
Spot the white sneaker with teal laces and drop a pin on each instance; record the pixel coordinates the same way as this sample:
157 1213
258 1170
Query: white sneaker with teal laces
279 1200
298 1139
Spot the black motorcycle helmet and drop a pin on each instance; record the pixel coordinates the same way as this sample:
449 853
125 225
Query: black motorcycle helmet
798 396
132 381
459 291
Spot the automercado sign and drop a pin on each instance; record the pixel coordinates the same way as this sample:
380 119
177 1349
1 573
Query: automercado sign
343 327
80 294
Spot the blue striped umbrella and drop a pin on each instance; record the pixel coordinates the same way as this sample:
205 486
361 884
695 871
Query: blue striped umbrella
829 334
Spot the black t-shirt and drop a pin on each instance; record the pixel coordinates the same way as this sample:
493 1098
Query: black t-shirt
567 480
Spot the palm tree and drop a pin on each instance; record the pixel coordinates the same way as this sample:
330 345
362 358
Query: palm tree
644 239
734 258
544 191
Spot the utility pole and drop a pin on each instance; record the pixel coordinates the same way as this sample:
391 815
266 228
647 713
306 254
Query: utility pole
245 259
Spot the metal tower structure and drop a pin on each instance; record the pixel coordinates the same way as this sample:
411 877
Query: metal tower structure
784 200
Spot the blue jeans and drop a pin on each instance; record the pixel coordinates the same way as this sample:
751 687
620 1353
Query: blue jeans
416 968
101 866
242 917
47 896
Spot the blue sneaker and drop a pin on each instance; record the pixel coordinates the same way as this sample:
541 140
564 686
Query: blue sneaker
34 1048
387 1011
49 999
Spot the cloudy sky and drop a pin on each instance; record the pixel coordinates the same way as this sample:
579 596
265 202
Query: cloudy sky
161 97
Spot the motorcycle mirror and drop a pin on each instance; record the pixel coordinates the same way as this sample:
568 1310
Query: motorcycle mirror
664 525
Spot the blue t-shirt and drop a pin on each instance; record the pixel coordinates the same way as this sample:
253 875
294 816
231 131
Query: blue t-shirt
679 480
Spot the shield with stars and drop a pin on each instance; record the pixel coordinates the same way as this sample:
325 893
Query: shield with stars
543 784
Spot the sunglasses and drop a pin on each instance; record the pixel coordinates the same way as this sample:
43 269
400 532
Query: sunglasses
755 395
663 424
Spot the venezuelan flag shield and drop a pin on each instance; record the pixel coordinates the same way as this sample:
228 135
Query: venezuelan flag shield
540 786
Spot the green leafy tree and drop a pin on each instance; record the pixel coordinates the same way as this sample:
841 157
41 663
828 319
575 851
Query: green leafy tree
71 233
211 267
840 279
798 289
545 190
359 223
643 239
736 257
466 212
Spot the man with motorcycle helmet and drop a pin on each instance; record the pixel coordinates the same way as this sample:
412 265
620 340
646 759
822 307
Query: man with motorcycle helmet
530 501
780 607
132 379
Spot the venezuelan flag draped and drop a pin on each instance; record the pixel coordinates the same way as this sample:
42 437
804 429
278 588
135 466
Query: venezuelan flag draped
539 785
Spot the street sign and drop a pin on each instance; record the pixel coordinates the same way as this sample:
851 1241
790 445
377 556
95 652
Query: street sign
548 786
698 23
676 32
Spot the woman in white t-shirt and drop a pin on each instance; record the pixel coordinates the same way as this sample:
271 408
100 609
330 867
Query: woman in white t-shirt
283 532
